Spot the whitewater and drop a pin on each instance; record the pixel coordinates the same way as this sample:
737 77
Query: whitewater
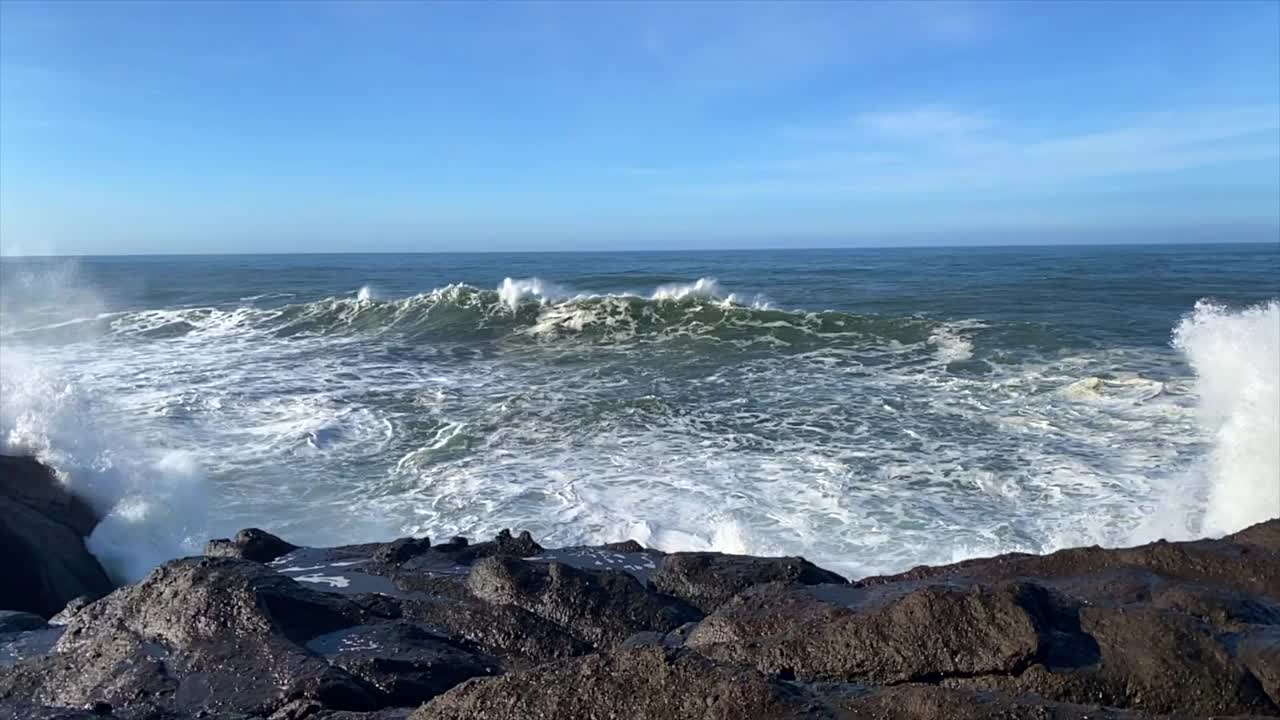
870 411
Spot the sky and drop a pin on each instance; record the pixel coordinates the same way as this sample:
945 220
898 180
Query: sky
210 127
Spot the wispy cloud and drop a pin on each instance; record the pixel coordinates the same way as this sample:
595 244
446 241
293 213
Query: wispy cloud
936 149
925 122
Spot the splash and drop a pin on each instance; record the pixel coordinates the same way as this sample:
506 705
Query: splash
151 501
1236 359
512 293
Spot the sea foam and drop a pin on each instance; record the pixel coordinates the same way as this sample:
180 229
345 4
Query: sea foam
1236 358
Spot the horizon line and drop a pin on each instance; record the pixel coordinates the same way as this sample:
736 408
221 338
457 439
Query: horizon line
809 248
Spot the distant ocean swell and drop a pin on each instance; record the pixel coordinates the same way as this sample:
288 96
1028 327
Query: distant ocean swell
529 308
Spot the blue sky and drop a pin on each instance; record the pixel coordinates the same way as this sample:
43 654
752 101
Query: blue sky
292 126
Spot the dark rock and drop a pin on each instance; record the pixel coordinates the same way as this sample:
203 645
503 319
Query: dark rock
503 545
199 633
601 607
705 580
930 702
250 544
637 562
522 546
1264 536
639 684
1151 660
1247 562
1258 649
398 551
1223 609
408 664
518 637
837 633
14 622
74 606
626 546
42 531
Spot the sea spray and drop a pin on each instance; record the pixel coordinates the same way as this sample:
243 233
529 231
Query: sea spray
151 502
1236 358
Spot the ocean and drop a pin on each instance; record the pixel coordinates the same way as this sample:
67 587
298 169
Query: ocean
870 409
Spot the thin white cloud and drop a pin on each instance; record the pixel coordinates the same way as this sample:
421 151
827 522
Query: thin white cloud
926 122
934 149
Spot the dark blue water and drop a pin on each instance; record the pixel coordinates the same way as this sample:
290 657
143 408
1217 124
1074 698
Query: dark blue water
869 408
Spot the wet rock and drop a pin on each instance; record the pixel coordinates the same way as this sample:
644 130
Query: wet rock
1150 660
930 702
912 634
406 663
250 544
602 607
397 551
74 606
518 637
630 558
626 546
42 532
1247 562
460 551
706 580
199 633
638 684
1258 649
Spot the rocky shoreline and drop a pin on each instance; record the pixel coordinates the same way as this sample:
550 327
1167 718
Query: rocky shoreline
507 629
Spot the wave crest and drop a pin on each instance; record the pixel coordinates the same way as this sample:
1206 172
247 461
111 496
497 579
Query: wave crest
530 310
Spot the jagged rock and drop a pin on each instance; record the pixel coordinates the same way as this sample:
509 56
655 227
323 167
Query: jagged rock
1150 660
1258 649
74 606
638 684
626 546
706 580
211 634
15 622
42 531
462 552
398 551
930 702
601 607
916 633
250 544
347 633
517 636
1247 562
311 710
408 664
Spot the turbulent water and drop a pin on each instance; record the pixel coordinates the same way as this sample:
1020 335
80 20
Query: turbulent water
869 409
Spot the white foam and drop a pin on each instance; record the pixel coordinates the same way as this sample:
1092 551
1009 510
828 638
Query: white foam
1236 358
512 292
336 581
952 346
864 454
151 501
701 288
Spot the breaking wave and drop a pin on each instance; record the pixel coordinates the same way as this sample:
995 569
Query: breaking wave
530 309
801 448
1236 358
